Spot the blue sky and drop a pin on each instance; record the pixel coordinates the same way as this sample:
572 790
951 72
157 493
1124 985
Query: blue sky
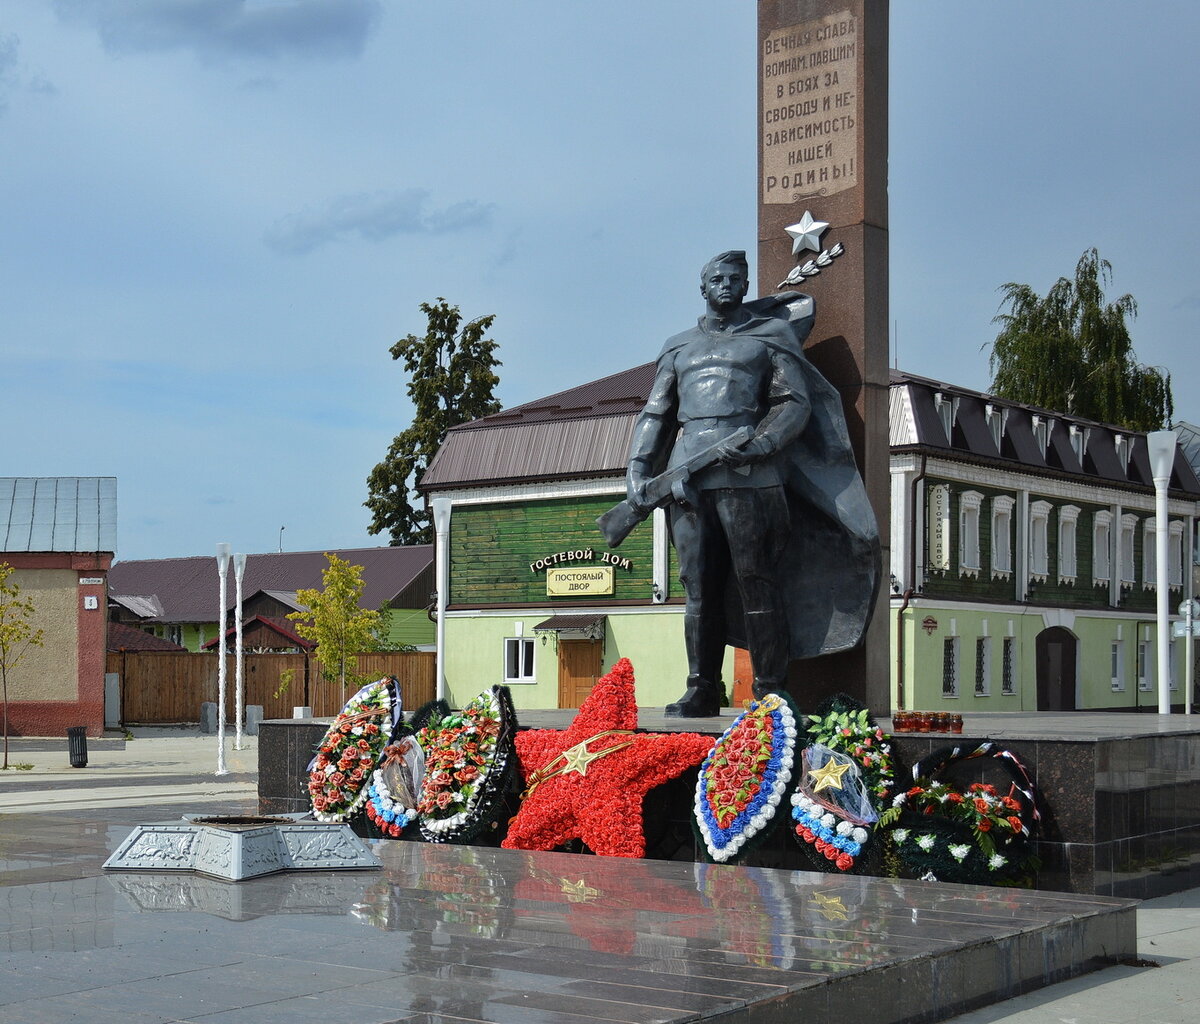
219 214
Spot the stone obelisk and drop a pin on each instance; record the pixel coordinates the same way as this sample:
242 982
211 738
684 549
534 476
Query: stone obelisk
822 159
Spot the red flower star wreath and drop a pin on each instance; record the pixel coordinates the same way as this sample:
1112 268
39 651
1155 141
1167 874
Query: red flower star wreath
588 782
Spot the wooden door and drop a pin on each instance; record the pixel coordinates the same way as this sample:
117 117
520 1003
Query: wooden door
1056 650
578 670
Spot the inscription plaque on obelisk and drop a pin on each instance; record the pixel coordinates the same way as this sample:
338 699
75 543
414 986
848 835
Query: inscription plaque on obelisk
822 84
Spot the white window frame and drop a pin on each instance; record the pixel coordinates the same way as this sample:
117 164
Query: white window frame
969 561
1117 666
1002 509
1102 546
983 666
951 663
1008 666
1039 540
523 656
997 420
1145 665
1121 447
1041 433
1175 554
1128 534
947 410
1068 547
1079 440
1149 553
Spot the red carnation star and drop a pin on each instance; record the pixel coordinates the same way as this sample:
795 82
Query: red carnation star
598 799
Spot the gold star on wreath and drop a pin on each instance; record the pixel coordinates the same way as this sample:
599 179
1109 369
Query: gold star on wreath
578 892
578 757
829 775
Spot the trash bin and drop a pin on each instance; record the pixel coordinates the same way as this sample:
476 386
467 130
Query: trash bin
77 745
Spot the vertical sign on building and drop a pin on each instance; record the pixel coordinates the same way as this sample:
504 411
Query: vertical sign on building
822 150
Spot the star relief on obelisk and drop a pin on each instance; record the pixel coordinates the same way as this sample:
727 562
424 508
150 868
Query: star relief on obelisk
806 233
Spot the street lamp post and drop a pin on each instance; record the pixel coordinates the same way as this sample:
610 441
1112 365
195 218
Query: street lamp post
222 572
239 569
1162 459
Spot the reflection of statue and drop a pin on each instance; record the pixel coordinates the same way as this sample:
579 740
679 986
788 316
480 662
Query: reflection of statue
783 514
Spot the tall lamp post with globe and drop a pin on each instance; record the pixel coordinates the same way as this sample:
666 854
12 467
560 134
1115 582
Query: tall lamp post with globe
1162 459
222 572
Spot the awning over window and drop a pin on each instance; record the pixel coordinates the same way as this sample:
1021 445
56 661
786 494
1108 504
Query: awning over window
573 627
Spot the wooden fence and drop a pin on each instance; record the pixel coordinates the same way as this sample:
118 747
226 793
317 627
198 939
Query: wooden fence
166 687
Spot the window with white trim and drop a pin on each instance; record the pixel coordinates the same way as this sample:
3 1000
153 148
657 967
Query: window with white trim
1121 447
947 409
1145 665
1117 659
1149 554
1102 546
1068 521
1002 507
1079 440
518 659
1041 433
1175 554
1128 532
950 666
1039 539
997 419
1008 665
983 666
968 532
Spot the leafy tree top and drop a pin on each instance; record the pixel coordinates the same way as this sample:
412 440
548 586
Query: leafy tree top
1070 350
451 381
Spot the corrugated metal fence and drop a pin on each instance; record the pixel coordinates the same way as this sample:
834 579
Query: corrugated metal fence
165 687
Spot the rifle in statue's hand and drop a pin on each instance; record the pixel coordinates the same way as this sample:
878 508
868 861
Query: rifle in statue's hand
619 520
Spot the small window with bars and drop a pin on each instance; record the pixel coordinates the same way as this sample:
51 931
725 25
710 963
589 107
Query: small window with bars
983 666
1008 665
950 667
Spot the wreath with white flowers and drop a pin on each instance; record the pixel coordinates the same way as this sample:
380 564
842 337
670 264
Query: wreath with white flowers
339 775
975 832
836 824
470 762
745 777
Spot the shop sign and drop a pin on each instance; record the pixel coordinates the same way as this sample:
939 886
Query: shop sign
929 624
579 581
579 555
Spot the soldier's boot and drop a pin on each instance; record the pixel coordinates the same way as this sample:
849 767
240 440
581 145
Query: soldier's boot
702 699
768 643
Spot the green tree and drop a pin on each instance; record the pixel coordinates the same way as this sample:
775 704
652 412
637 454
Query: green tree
336 622
452 378
1070 350
17 636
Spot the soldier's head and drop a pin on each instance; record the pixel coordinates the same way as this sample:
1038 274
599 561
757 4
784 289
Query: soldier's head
725 280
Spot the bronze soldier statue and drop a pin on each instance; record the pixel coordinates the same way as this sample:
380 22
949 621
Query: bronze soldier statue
778 548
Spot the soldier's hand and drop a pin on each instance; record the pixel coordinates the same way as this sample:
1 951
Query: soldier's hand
754 450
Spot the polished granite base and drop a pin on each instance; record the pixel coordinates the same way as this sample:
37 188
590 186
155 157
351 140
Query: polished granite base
468 934
1120 792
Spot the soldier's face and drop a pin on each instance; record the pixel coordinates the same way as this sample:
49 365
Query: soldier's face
725 285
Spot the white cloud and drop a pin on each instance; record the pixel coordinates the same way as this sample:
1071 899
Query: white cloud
222 29
372 217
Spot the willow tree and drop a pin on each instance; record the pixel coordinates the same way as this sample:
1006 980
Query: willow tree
1070 350
452 378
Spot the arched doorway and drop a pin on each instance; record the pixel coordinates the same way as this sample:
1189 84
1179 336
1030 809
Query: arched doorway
1057 650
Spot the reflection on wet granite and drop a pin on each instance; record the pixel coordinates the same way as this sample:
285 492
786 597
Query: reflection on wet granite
502 935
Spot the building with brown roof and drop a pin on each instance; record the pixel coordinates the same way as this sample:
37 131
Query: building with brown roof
178 598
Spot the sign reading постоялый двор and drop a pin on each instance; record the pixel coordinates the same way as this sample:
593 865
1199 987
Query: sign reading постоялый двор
579 580
809 103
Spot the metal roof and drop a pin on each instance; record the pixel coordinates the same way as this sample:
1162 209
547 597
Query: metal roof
920 408
581 432
187 589
58 513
